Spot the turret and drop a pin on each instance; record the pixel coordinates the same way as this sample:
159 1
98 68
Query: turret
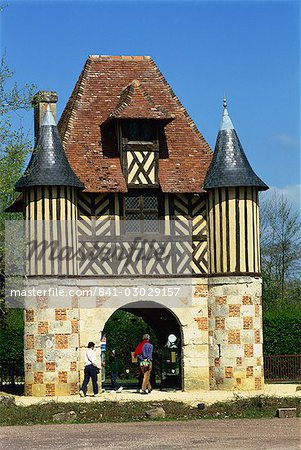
233 214
49 188
235 324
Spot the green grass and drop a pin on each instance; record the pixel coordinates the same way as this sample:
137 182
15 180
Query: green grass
256 407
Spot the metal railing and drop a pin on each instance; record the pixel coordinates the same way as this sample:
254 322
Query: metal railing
282 368
11 373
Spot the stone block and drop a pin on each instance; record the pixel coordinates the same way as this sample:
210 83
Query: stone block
220 323
39 390
30 356
248 384
247 310
234 337
64 416
248 323
247 300
43 328
28 376
202 323
51 355
29 341
234 311
73 377
50 377
74 341
220 310
257 350
233 299
50 366
61 327
44 341
286 413
31 328
61 341
155 413
73 314
247 336
50 390
248 350
60 314
29 315
233 323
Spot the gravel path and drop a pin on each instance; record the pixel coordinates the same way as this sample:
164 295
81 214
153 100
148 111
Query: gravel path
270 434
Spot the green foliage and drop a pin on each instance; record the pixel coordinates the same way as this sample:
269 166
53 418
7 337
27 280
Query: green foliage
11 336
123 332
108 411
282 332
14 150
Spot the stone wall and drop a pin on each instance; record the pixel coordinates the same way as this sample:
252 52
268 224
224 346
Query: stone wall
221 336
235 333
56 338
51 351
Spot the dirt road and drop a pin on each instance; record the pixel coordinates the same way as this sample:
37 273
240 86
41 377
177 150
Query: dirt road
202 434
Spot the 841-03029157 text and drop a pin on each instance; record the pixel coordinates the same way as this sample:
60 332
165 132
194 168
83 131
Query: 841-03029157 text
139 291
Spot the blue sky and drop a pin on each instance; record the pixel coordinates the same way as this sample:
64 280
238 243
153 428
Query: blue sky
250 50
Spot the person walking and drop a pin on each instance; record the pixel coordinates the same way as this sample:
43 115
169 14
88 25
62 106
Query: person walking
114 366
137 355
91 370
146 361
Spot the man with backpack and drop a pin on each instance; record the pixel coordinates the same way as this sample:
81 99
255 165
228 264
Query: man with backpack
144 355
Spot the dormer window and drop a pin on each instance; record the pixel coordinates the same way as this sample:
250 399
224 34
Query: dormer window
139 130
139 152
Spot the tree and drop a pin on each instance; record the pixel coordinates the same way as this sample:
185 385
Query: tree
14 150
281 252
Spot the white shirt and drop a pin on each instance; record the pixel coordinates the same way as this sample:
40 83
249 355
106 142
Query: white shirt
90 357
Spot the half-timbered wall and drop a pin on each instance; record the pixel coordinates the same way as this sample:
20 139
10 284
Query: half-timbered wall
233 221
140 163
100 227
51 215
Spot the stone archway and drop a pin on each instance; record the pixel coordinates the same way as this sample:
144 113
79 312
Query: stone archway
192 322
168 362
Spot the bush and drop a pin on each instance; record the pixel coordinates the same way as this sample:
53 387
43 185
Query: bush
12 336
282 332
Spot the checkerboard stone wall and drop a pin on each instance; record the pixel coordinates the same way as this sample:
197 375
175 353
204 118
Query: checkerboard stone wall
51 352
235 333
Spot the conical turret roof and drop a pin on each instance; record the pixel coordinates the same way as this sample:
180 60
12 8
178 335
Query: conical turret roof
230 166
48 165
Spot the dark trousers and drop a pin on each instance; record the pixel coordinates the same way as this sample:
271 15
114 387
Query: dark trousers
90 372
115 384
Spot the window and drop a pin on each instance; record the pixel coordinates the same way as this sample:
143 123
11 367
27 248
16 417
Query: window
141 212
139 130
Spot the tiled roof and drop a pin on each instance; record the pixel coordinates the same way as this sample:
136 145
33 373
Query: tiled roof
230 166
48 165
135 103
99 95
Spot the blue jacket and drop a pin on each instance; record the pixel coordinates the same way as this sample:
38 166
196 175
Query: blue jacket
147 351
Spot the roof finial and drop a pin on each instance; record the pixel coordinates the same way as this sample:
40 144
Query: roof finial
226 123
225 101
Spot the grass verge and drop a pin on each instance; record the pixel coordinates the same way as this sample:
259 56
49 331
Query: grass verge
256 407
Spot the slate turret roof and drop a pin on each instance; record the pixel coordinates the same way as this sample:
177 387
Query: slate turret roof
48 165
230 166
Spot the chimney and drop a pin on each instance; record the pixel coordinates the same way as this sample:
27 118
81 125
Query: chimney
40 102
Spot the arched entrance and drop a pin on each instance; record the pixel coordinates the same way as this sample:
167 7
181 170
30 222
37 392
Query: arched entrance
162 324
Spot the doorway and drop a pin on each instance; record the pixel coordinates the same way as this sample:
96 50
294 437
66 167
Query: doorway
124 330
